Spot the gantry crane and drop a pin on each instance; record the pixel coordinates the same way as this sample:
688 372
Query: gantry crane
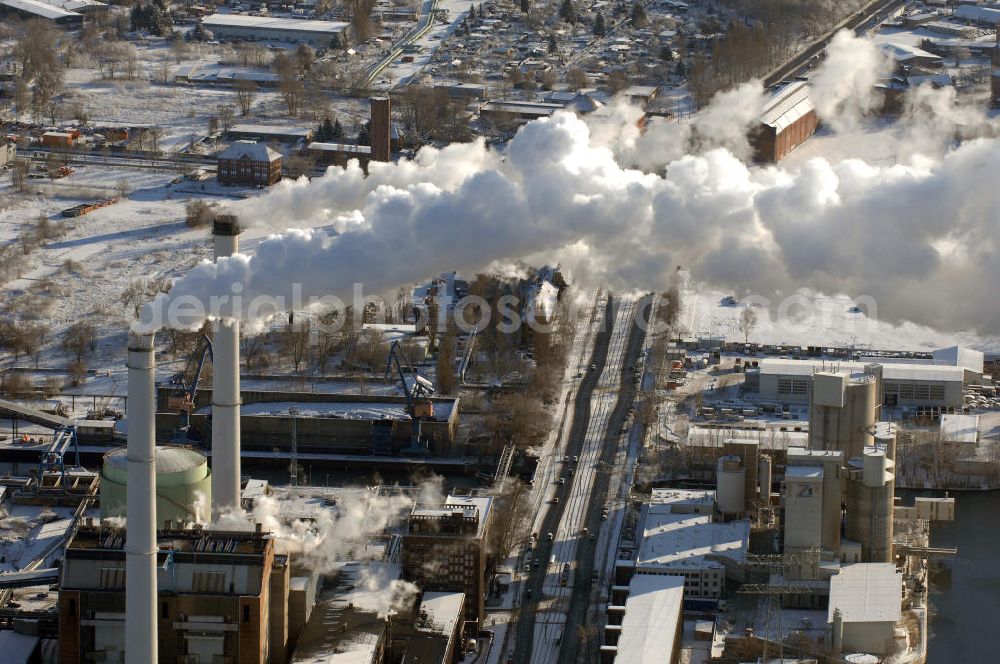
418 403
183 403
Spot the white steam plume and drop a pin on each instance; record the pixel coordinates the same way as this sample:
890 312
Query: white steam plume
330 535
378 592
843 87
919 238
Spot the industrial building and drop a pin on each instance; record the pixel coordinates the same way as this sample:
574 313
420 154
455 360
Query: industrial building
865 608
249 163
680 538
35 9
321 34
645 621
445 549
517 112
269 133
917 385
322 425
214 596
788 120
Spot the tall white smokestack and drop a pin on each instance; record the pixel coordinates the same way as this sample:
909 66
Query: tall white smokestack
226 388
140 534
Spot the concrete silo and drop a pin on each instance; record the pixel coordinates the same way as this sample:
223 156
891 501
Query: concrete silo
730 494
183 485
843 409
870 490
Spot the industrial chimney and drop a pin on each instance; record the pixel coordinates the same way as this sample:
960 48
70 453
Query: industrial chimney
140 513
226 387
379 128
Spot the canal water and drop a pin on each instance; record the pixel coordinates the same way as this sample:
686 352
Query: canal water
965 589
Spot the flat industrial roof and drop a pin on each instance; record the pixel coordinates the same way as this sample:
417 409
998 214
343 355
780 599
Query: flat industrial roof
684 540
37 8
350 148
890 371
270 130
650 624
336 409
959 428
270 23
866 592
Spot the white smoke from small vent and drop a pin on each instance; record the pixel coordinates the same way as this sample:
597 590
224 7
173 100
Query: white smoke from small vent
843 87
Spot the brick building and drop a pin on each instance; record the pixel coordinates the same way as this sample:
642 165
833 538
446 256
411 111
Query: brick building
249 163
222 597
788 120
445 548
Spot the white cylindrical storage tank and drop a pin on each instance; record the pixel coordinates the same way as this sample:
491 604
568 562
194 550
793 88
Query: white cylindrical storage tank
183 485
764 479
873 469
730 495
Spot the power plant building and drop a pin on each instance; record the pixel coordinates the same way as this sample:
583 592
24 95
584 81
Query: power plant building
645 623
214 601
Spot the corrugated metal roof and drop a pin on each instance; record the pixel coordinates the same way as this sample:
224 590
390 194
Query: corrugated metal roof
787 105
38 8
890 371
270 23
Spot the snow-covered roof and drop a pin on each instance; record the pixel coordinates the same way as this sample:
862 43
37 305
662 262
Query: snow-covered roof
890 371
978 14
271 130
686 540
866 592
903 52
37 8
444 609
650 624
271 23
349 148
959 428
251 150
337 409
787 104
75 5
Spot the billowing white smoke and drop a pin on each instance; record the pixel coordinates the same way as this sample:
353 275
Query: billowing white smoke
378 592
330 535
919 238
843 88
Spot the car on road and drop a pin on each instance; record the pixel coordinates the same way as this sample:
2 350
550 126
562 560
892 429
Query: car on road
562 480
593 366
549 537
585 532
555 500
576 459
593 535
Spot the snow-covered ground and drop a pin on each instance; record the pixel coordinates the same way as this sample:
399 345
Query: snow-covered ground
401 73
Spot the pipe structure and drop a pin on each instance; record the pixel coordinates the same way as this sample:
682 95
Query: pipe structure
226 387
140 534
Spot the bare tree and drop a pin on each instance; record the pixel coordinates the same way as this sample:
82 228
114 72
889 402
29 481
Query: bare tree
226 115
295 342
250 348
246 92
140 291
19 173
748 321
79 339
